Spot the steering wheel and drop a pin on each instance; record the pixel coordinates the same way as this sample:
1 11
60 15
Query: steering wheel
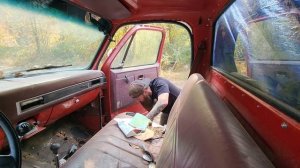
13 159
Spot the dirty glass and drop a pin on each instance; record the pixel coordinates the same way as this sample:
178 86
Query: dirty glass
143 49
176 58
258 42
120 56
37 36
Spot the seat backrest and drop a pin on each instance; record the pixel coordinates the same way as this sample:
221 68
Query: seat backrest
189 84
202 132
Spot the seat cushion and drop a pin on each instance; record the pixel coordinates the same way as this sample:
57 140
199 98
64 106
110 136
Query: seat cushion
110 148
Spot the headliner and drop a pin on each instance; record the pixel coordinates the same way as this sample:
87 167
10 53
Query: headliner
139 10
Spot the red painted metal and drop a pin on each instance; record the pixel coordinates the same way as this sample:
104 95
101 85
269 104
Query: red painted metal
108 94
115 51
3 142
90 121
34 131
100 55
69 106
110 9
198 15
43 117
91 118
51 114
136 107
265 120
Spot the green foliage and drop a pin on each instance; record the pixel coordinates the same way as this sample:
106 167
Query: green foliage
29 39
176 51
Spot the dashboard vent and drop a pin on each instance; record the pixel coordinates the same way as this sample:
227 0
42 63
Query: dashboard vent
95 82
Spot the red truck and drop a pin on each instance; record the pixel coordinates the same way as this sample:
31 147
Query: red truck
239 107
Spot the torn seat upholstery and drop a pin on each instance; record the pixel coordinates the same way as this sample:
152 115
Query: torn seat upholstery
201 132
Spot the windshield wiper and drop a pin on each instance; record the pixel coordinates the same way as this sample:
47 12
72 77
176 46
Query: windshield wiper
21 73
47 67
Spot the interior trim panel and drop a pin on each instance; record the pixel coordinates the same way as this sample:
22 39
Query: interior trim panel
56 96
24 97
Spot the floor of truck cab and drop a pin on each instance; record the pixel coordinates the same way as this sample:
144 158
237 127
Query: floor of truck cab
36 150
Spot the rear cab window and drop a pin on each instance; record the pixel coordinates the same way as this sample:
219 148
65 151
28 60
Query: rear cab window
257 44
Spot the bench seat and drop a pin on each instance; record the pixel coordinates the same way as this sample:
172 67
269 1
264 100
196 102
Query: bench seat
110 148
201 132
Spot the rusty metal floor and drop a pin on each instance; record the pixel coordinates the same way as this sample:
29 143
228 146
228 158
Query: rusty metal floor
36 151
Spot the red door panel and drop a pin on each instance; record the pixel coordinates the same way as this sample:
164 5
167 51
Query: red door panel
122 80
130 60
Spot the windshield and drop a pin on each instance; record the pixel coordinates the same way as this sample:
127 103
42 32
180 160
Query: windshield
39 36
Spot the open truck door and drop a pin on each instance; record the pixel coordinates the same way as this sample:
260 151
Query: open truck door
136 56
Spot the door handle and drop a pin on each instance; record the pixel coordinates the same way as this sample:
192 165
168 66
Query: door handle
141 77
126 79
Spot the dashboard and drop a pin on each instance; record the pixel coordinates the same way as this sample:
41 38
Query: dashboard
25 97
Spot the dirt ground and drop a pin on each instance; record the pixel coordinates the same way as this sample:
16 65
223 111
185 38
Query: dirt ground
36 151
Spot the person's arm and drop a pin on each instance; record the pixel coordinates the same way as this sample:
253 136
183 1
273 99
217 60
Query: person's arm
162 102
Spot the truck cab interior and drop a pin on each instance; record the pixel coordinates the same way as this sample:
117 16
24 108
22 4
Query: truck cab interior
239 105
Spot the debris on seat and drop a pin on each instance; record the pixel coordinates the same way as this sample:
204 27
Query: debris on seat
139 121
140 127
127 129
146 135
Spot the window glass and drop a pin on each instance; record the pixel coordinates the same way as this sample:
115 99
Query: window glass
275 38
177 52
46 34
119 58
258 43
141 49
